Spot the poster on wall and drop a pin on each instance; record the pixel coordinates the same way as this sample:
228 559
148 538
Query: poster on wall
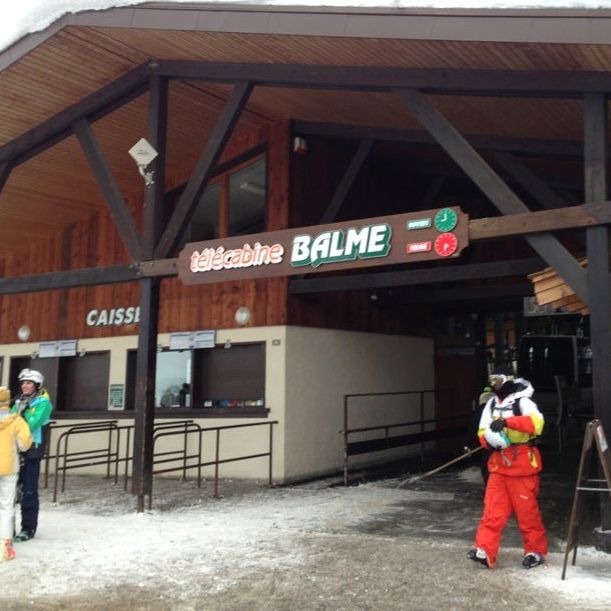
186 340
65 347
116 394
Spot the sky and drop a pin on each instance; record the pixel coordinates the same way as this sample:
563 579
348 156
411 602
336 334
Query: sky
17 18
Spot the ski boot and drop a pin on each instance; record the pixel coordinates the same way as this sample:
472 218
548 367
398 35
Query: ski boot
532 559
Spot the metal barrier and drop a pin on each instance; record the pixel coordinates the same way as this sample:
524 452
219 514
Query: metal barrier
48 456
104 455
109 453
388 441
184 457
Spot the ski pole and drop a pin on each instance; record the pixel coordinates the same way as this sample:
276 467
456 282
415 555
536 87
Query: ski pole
415 478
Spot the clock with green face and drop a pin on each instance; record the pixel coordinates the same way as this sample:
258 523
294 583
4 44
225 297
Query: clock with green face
446 219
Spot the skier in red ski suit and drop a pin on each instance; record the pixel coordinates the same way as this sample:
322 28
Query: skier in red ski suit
513 485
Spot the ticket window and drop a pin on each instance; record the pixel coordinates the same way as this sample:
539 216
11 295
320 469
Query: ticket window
230 378
172 379
220 381
74 383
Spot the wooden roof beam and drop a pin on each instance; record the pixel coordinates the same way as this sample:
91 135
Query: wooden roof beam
528 180
68 279
596 186
523 146
415 277
497 83
500 195
89 276
573 217
203 170
345 184
100 103
110 189
457 293
154 194
5 172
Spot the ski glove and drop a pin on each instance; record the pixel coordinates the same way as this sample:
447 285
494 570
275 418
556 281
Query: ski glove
498 425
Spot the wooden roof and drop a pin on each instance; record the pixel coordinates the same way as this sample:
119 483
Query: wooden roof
46 73
550 289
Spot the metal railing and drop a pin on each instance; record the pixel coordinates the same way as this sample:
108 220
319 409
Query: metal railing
48 456
388 441
107 454
175 459
185 458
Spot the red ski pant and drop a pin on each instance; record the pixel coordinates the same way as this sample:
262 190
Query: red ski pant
504 495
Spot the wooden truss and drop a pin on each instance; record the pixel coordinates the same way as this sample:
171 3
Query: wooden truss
150 250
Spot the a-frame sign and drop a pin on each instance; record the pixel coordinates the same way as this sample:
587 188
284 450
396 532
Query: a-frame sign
594 434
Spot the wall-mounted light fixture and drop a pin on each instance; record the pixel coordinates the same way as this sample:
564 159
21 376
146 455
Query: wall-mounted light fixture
242 315
23 333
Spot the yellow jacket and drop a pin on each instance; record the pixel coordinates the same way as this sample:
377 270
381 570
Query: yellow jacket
15 437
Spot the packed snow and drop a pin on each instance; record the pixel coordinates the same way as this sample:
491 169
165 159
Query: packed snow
295 547
306 547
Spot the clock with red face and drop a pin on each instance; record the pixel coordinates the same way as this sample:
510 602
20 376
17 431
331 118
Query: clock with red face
446 244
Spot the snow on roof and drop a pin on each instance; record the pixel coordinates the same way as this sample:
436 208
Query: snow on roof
17 19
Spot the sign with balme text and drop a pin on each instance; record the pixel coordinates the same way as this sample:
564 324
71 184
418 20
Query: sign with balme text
401 238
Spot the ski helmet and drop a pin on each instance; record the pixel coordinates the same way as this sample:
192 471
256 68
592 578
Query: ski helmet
500 375
31 375
498 441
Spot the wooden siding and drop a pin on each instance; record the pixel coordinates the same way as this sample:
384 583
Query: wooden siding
55 189
94 241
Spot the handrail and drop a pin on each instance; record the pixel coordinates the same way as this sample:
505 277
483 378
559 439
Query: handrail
86 458
388 441
194 428
109 454
402 424
51 428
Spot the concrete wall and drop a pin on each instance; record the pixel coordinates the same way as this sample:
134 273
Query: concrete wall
308 372
324 365
238 442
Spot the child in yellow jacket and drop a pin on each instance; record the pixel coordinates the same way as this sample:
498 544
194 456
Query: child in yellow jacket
15 437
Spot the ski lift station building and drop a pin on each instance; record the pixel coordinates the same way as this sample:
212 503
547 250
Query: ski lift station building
236 214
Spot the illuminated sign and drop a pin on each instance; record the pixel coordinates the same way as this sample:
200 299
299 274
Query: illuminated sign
402 238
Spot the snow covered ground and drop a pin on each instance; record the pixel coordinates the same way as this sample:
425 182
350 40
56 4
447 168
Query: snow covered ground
372 546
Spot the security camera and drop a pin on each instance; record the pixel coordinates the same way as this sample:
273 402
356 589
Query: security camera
143 153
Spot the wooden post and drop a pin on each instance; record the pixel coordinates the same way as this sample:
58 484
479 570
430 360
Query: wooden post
146 362
599 290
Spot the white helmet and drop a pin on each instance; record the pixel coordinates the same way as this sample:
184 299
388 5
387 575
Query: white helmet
31 375
497 441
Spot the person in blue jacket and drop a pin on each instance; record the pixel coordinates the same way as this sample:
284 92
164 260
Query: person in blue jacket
35 406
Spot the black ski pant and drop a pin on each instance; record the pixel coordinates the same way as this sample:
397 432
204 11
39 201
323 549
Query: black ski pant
28 478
